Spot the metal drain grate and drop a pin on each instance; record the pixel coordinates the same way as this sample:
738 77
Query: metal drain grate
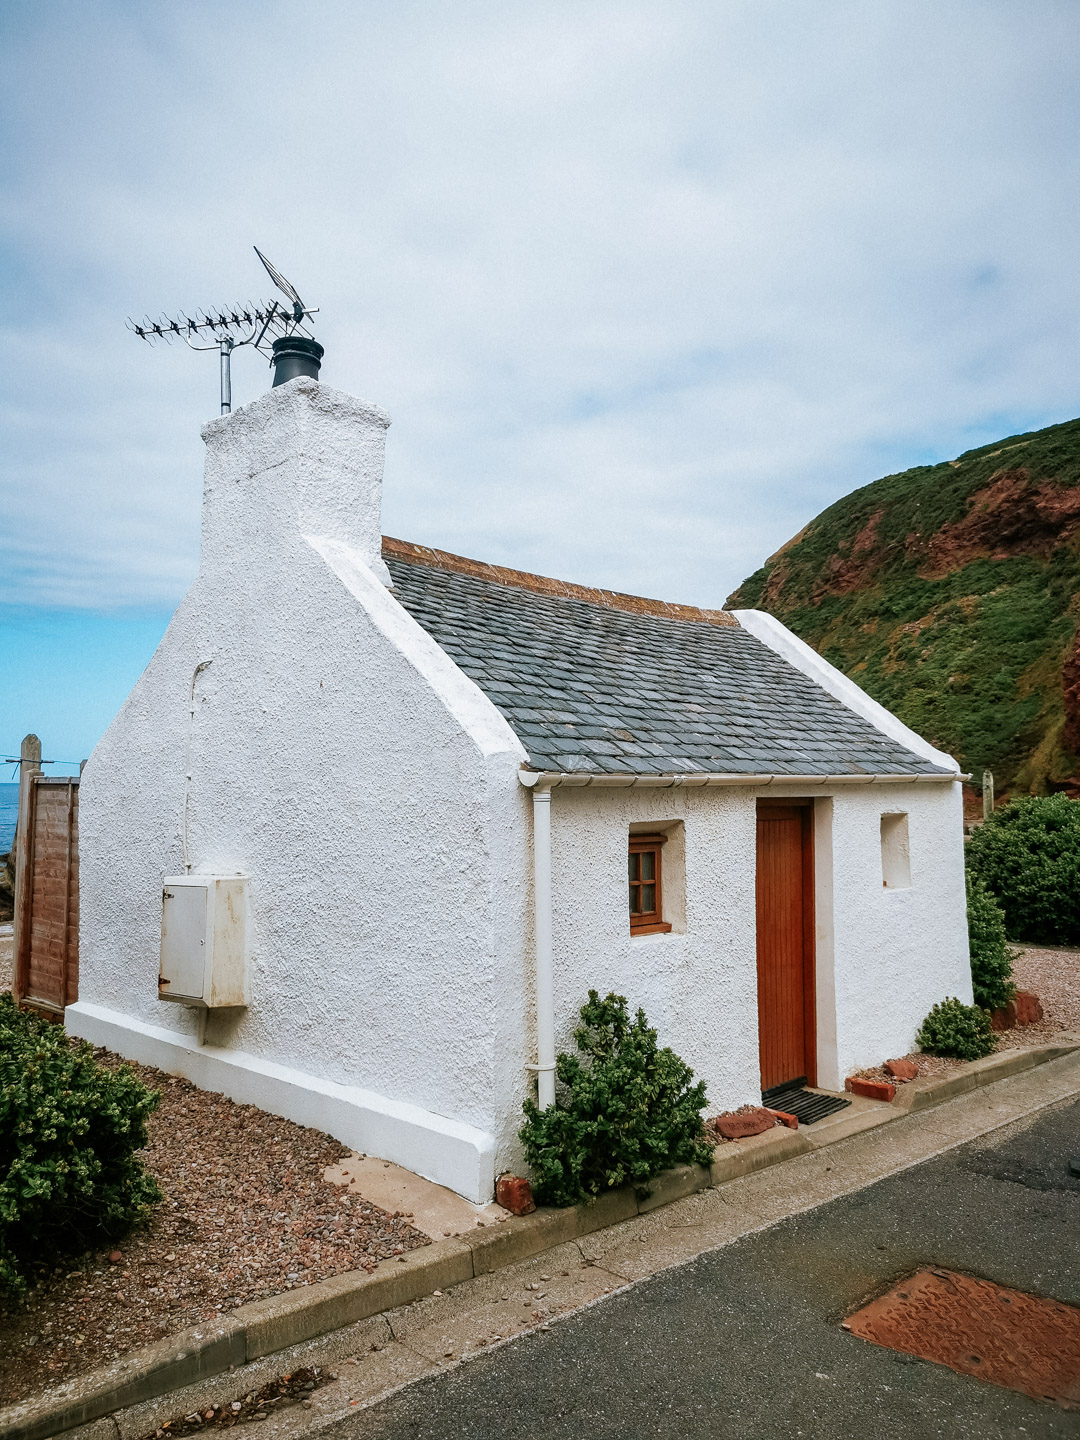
977 1328
806 1105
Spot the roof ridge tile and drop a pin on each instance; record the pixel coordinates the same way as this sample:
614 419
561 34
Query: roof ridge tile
545 585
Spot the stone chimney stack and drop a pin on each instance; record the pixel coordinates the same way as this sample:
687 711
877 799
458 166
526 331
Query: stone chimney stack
301 460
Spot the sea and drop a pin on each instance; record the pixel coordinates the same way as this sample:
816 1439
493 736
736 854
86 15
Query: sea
9 811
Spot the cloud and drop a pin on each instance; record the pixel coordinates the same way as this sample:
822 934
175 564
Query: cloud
643 286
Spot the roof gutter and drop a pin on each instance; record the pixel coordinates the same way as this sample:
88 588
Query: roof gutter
551 779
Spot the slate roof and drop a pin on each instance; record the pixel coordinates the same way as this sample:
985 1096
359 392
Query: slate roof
612 684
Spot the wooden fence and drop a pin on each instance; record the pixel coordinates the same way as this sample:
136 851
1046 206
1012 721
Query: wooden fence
46 887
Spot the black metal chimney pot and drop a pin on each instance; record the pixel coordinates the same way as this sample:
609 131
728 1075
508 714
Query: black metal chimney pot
296 355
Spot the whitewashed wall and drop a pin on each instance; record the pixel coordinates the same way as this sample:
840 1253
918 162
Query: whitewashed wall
340 759
884 956
895 952
699 987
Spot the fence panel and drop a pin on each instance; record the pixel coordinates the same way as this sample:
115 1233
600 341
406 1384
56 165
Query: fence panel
47 901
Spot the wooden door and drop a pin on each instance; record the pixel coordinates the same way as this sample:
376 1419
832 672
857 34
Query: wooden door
787 1019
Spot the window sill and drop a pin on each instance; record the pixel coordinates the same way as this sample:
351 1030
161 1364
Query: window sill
661 927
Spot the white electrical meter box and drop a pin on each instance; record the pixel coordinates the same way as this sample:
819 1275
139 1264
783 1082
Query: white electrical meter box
204 940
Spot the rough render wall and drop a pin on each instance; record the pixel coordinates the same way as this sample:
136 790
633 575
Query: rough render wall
699 988
370 791
375 815
896 952
884 957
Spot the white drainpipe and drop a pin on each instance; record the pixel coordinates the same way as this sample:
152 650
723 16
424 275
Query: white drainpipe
545 974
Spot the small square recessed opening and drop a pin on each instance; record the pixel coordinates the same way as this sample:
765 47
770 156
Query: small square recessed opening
895 852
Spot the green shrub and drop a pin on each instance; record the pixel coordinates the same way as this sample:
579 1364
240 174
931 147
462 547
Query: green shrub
1027 854
953 1028
69 1130
623 1115
991 958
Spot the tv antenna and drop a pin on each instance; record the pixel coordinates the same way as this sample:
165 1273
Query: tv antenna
227 330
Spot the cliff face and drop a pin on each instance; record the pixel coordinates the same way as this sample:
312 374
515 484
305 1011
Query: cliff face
951 593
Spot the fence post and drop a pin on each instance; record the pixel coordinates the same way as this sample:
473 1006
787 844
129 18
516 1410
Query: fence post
988 794
29 767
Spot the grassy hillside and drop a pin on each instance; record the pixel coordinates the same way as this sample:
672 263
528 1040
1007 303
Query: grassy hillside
951 593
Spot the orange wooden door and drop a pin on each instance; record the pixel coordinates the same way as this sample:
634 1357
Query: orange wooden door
785 944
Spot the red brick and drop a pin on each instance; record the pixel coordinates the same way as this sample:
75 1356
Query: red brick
746 1122
791 1121
902 1069
1023 1009
1029 1010
514 1193
871 1089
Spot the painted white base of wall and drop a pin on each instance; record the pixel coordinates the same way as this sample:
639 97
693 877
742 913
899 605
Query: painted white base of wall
440 1149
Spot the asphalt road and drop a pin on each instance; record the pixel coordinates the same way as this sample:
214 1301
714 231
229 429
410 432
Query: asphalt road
746 1341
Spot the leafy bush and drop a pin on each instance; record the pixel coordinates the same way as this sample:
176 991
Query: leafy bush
953 1028
626 1113
1027 854
69 1129
991 958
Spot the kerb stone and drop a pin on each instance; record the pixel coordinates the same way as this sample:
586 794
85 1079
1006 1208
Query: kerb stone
312 1310
673 1185
743 1157
193 1355
610 1209
518 1238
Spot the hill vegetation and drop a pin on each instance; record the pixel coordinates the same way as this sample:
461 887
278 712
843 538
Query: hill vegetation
951 593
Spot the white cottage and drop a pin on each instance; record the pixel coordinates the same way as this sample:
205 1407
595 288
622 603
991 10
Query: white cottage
406 790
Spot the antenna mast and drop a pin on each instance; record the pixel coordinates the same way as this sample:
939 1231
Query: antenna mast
227 330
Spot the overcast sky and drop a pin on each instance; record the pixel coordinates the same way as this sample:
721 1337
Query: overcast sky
643 285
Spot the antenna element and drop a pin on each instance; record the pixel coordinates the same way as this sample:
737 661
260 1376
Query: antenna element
227 330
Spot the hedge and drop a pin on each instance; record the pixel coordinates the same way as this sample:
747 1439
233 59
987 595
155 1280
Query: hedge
70 1130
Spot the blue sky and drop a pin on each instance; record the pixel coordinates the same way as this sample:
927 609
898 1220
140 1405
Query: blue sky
65 673
643 286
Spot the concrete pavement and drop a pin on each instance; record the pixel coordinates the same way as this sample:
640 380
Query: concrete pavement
745 1341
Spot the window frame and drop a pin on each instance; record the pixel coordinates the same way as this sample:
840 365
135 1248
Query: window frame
649 922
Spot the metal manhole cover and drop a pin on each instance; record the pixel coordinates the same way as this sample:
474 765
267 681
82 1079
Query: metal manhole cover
977 1328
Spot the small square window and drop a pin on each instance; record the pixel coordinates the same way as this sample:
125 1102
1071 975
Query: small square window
645 873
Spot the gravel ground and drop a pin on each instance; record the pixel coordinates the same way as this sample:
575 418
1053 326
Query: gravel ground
924 1064
1054 976
279 1395
1051 974
246 1214
7 951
